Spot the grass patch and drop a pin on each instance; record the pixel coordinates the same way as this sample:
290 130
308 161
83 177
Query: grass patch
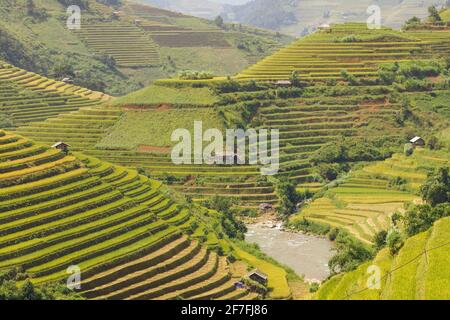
154 95
154 128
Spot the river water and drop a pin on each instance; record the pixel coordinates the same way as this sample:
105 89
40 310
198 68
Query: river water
306 255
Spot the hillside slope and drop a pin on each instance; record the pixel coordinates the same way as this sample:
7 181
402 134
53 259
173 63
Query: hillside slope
330 105
129 239
350 46
121 49
419 271
364 201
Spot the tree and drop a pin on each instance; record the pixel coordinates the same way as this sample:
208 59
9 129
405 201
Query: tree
433 143
421 217
379 240
436 188
350 253
394 241
63 69
408 149
27 291
295 80
219 21
288 196
434 14
31 7
411 23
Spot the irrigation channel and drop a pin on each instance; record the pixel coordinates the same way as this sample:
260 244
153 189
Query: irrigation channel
307 255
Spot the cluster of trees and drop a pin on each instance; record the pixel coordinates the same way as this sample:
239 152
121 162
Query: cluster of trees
233 228
288 195
195 75
351 149
418 218
11 290
350 253
433 17
333 158
404 72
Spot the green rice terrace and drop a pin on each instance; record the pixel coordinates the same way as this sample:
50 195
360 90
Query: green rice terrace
135 130
87 179
364 202
130 239
127 44
352 47
27 97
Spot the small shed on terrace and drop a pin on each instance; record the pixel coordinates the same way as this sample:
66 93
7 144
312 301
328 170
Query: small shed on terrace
258 276
417 142
61 146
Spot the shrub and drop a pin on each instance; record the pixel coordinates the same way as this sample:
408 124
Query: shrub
349 77
379 240
420 218
397 183
350 253
288 196
394 241
308 226
314 287
195 75
408 149
351 38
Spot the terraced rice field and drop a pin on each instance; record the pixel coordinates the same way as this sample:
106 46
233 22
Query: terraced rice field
85 128
126 43
412 274
363 204
26 97
323 55
58 210
38 83
305 126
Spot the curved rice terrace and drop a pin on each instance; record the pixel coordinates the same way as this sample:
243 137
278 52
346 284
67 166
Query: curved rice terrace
417 272
364 202
27 97
127 44
132 240
352 47
128 238
305 125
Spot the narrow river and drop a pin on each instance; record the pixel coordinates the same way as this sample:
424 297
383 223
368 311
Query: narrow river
306 255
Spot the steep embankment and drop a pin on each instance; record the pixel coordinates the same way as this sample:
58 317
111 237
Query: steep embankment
419 271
